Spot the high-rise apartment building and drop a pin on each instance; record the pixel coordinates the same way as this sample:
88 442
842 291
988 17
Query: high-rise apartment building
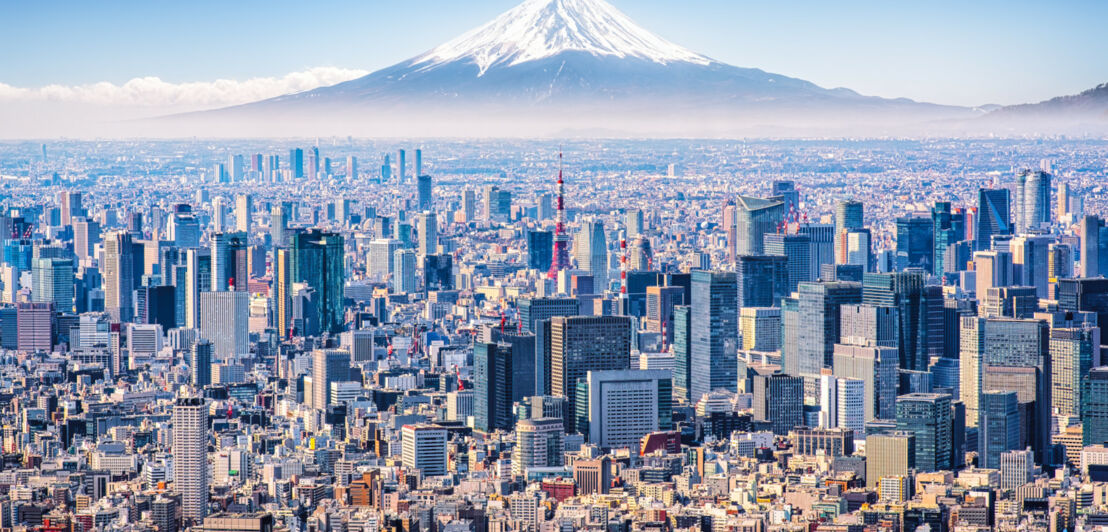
190 457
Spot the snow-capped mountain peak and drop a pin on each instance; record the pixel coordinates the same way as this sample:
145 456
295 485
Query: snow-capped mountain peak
537 29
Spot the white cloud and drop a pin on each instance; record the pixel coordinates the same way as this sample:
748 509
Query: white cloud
152 92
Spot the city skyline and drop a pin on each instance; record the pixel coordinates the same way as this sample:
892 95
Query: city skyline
548 265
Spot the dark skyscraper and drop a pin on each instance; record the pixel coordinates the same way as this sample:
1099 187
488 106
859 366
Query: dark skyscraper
425 195
819 306
316 259
714 333
948 227
920 310
540 250
762 280
533 313
993 215
296 162
998 427
929 417
504 373
580 344
915 243
492 382
438 272
779 401
200 363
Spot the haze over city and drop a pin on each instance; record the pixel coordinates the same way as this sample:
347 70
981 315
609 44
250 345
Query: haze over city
553 265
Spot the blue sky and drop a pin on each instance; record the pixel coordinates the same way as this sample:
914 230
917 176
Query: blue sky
976 52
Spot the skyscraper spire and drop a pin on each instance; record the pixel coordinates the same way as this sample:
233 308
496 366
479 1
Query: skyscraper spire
561 239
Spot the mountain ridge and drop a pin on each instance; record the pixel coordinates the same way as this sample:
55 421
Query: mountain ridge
552 65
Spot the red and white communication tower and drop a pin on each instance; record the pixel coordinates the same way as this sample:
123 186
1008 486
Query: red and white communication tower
623 267
560 258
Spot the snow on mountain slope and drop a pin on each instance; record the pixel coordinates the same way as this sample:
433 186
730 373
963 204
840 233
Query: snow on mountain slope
537 29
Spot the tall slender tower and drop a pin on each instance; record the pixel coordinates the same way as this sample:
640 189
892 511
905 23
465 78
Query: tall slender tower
561 239
190 457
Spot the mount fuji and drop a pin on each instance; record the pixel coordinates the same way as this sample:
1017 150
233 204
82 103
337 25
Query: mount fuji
558 67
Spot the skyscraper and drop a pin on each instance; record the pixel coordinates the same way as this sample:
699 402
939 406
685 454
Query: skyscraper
591 251
948 227
763 280
425 201
1031 263
779 401
848 217
579 344
714 342
682 353
119 275
1074 352
920 311
998 427
190 457
229 262
929 417
754 218
915 244
200 363
1089 233
891 454
52 282
423 448
797 249
539 443
876 367
244 209
1033 204
351 168
503 374
296 163
404 271
317 260
328 367
278 225
427 226
1094 407
540 250
994 218
70 203
625 405
819 306
992 348
225 321
198 279
86 234
634 222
